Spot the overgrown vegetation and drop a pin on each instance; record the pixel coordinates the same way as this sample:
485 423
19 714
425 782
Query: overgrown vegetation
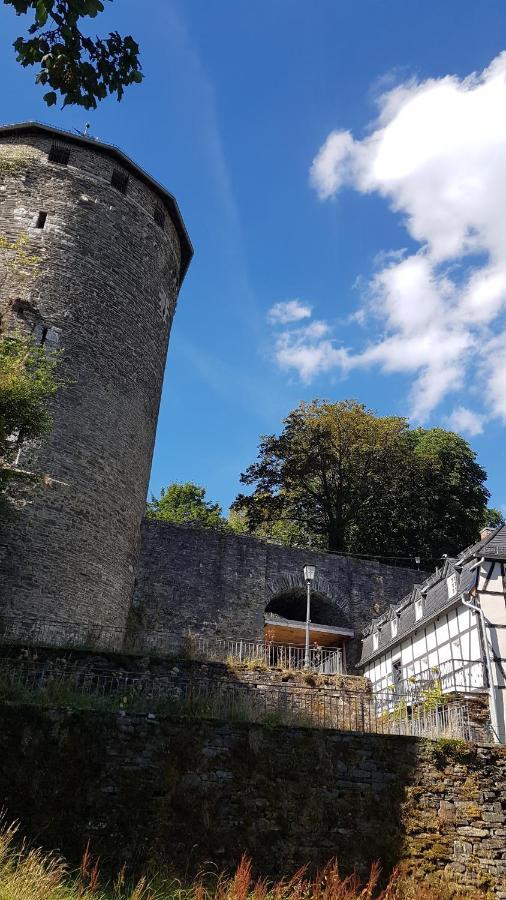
446 751
30 874
16 260
13 161
90 692
27 382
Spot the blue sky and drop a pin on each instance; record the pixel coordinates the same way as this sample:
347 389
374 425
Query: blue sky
262 119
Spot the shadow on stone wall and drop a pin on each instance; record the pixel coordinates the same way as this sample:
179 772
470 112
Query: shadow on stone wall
189 791
193 794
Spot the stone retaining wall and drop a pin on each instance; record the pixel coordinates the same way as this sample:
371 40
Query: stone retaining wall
188 792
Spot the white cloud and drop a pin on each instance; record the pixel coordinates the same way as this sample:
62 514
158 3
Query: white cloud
437 154
288 311
332 167
465 420
308 351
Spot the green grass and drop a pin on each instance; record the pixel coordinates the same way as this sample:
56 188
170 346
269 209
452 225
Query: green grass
60 691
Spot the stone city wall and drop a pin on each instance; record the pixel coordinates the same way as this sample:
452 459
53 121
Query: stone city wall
218 584
188 793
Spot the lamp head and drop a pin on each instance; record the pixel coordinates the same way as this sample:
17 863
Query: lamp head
309 572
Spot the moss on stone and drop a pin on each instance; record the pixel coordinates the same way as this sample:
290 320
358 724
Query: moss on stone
14 161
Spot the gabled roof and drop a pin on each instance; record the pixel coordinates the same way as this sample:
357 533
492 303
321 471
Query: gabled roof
434 592
167 198
495 547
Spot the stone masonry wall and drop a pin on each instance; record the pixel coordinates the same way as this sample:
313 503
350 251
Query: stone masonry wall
101 262
218 584
188 793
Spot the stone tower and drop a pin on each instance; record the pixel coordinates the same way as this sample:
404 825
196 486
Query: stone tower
104 252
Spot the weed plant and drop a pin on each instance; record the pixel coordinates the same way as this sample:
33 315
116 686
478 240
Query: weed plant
31 874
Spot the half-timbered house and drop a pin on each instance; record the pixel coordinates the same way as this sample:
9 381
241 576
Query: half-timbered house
448 635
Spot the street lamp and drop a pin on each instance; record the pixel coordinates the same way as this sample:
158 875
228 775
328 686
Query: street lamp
308 578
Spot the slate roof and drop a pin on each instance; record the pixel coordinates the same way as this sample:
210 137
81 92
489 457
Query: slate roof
167 198
434 592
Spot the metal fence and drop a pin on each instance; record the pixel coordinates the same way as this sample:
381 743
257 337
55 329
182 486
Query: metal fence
344 710
453 676
84 635
60 633
323 660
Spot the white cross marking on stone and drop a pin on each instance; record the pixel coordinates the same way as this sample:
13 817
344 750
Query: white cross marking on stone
164 305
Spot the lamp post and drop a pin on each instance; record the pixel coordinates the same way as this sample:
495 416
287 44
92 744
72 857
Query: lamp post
308 578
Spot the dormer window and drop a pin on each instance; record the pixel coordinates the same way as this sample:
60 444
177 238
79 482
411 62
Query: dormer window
418 609
451 584
394 627
375 640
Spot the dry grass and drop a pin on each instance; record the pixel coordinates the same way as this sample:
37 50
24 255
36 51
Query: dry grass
30 874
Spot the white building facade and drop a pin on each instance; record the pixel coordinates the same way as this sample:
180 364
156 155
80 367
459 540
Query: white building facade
448 636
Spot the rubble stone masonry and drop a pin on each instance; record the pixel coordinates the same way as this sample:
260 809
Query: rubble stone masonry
218 584
190 793
101 286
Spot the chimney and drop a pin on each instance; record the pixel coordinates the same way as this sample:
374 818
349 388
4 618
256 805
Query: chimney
487 532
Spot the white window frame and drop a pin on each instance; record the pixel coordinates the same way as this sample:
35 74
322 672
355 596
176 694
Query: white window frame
375 640
418 609
394 627
451 585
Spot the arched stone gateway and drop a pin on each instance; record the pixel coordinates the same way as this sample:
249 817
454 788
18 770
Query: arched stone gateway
285 614
295 579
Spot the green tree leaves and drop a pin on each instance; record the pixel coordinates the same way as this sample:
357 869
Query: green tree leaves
27 382
343 478
185 504
81 69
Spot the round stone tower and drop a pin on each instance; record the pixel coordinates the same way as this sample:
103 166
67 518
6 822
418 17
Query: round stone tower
92 254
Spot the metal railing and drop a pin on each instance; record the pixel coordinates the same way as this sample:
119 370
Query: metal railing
84 635
453 676
134 692
322 660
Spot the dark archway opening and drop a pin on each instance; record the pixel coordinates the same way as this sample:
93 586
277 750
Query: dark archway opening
285 620
291 604
285 628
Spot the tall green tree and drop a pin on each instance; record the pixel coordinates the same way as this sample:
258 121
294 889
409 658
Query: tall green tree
27 383
357 482
185 504
82 69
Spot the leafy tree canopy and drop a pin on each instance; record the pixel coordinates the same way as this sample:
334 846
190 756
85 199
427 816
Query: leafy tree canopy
349 480
185 504
493 518
27 383
83 70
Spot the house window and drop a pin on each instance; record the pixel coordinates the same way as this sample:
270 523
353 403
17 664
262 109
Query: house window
375 640
397 673
159 216
119 180
451 584
394 627
418 609
59 153
41 220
